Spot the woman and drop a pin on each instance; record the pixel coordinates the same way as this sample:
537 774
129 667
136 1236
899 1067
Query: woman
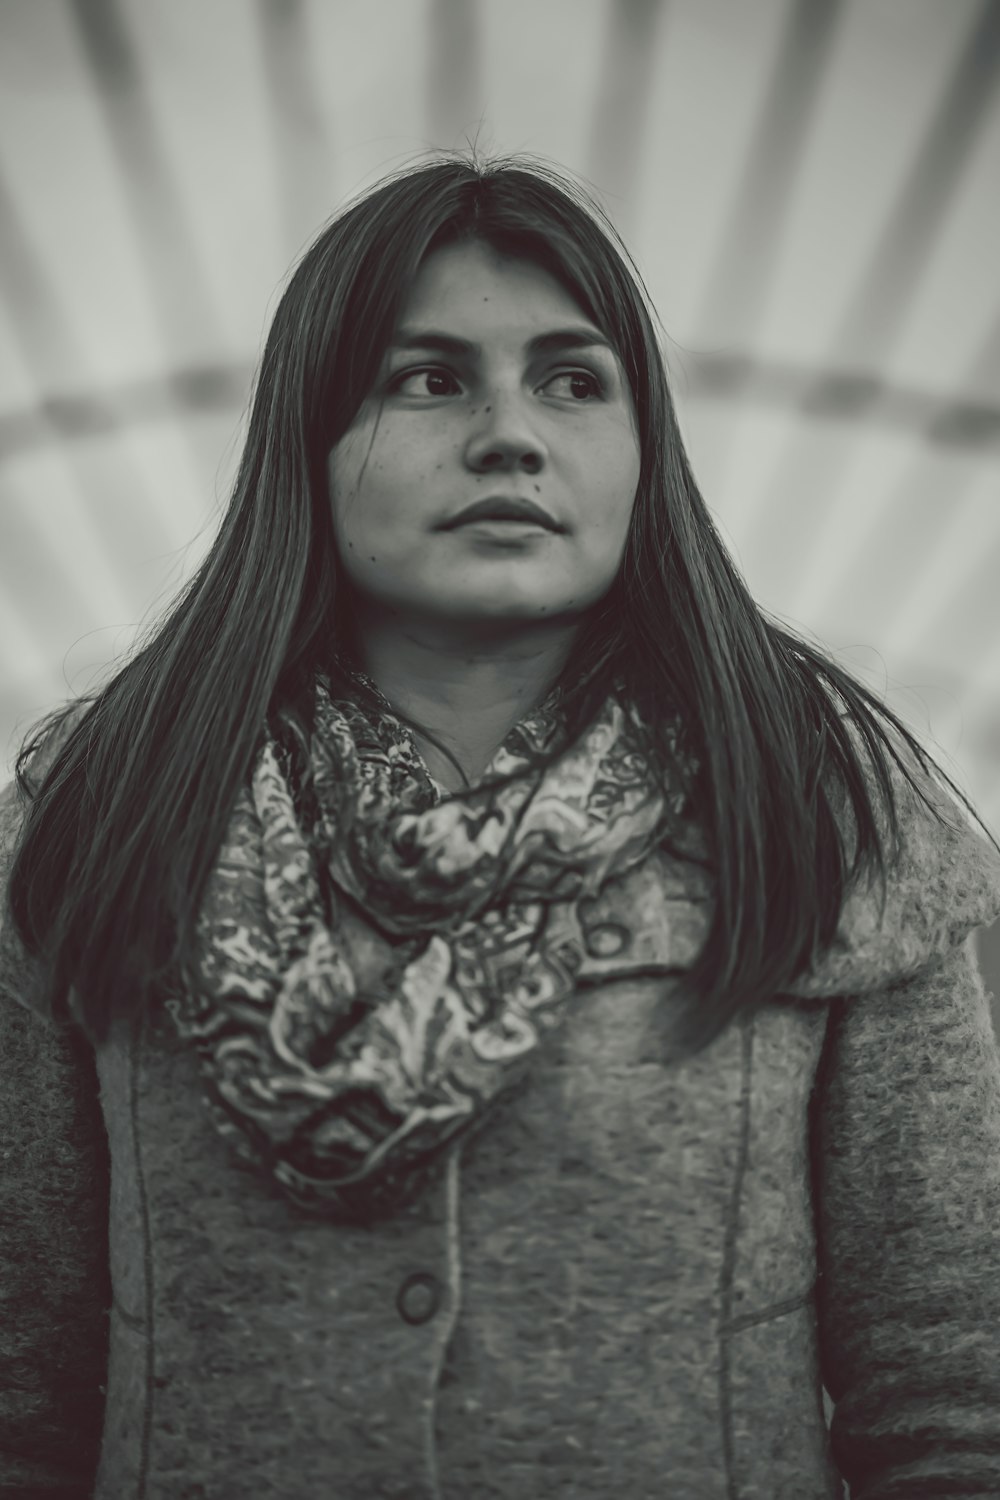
576 1110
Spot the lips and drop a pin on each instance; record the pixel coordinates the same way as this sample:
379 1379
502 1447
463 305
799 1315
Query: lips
502 508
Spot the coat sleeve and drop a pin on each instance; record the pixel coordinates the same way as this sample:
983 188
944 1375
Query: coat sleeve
54 1279
906 1170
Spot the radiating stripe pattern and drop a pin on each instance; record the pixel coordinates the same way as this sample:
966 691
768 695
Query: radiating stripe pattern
809 189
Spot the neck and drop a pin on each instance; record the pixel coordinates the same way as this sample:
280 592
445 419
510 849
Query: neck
468 697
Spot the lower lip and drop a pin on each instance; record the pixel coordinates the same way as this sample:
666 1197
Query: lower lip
505 530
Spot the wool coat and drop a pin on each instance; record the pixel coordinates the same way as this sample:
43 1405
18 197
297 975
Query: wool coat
769 1271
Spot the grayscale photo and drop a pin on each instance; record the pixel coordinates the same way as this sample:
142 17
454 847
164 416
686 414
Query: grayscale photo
500 696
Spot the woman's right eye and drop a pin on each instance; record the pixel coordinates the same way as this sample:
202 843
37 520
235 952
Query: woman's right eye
430 372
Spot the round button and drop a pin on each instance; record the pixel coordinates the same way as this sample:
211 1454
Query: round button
419 1297
606 939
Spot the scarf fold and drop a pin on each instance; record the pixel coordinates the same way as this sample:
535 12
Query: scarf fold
371 978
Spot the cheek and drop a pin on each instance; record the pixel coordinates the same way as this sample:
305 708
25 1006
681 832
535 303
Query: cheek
343 468
376 478
369 508
612 483
613 461
632 461
354 499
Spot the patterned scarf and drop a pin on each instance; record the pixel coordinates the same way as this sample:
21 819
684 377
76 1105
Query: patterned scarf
372 976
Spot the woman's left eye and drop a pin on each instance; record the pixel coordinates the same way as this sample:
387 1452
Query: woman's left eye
596 388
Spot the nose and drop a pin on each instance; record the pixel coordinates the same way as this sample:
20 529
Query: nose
504 438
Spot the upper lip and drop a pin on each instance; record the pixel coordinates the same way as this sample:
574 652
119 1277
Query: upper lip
502 508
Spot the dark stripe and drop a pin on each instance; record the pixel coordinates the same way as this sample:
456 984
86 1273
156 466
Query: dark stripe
180 291
800 493
306 164
36 579
168 255
618 129
960 421
938 418
209 388
884 298
454 84
755 226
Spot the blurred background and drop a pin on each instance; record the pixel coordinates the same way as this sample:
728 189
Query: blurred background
811 189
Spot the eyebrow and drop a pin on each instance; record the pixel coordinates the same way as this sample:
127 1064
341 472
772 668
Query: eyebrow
542 343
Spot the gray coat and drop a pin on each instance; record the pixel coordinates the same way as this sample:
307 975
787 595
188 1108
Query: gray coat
644 1277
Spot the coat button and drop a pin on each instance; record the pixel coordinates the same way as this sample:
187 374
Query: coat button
419 1297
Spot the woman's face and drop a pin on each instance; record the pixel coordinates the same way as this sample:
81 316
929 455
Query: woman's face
498 416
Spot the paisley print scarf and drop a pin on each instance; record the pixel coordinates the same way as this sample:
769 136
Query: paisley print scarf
371 975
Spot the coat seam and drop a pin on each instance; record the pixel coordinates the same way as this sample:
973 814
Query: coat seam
730 1234
453 1246
137 1035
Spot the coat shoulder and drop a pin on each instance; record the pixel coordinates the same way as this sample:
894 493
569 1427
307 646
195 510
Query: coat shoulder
944 882
17 968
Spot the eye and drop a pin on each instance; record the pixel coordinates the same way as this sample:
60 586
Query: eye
596 388
430 372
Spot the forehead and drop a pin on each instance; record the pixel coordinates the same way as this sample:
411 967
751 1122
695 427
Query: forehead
474 282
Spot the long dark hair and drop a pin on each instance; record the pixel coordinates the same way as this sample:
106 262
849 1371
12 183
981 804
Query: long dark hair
124 825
